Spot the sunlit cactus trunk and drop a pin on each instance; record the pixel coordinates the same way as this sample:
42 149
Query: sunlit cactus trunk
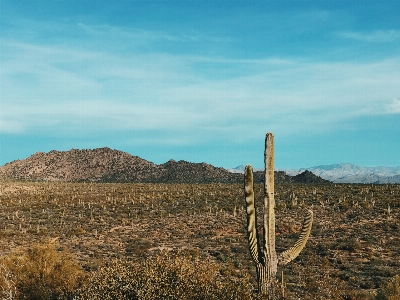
265 257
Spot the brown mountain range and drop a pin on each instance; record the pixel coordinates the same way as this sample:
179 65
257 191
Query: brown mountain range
107 165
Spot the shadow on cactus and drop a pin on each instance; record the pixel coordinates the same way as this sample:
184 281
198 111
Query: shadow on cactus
265 257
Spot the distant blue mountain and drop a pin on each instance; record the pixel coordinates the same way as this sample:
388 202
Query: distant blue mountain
240 169
345 173
350 173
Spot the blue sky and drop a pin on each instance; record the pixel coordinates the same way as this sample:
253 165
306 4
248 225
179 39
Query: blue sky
203 80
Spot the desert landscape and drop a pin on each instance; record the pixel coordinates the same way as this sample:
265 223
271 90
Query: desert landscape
352 253
132 135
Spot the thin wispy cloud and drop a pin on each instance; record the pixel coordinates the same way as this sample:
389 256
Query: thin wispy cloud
137 35
393 107
377 36
165 92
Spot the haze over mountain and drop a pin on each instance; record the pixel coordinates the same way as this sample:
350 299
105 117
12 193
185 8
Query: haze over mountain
240 169
345 173
350 173
107 165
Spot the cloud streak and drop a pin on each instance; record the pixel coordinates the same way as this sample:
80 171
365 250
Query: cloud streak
393 107
377 36
44 86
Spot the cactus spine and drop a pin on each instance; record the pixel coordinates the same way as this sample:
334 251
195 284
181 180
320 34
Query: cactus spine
265 258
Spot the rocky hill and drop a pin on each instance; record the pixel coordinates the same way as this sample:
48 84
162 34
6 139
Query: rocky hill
186 172
107 165
98 165
308 177
282 177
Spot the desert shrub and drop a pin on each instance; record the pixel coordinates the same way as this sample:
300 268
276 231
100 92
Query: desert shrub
8 289
42 272
350 244
390 291
139 247
322 249
165 276
78 231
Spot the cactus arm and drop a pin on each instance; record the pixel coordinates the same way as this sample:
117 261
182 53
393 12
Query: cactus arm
294 251
251 215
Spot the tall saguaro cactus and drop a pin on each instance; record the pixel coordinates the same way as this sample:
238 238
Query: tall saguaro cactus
265 257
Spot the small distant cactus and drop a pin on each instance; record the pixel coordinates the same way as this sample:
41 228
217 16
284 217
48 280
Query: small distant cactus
265 258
